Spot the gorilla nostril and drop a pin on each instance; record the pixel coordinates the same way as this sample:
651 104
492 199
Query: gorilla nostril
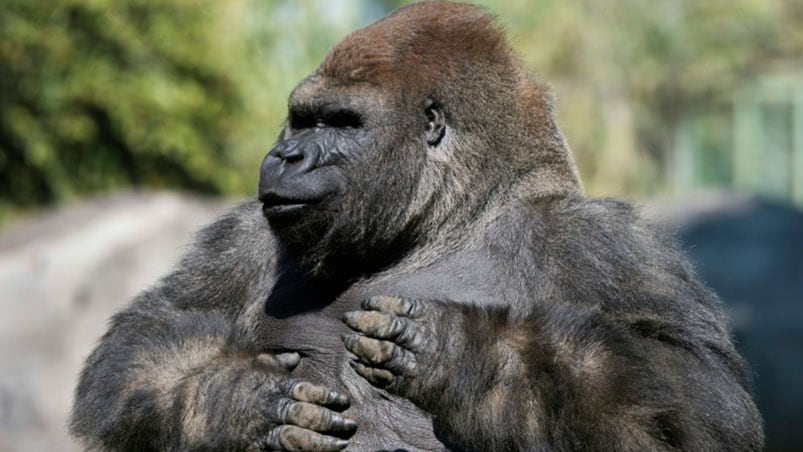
294 157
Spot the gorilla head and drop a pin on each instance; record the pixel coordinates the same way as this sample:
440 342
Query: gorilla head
410 130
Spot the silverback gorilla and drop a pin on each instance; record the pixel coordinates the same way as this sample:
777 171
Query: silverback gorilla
421 271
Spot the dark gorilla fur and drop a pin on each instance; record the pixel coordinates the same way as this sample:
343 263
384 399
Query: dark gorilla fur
422 272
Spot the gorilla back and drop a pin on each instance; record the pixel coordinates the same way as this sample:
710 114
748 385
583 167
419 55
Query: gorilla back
422 271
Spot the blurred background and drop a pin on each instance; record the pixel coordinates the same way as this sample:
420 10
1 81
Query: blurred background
127 124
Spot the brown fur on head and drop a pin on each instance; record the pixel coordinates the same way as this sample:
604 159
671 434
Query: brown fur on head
452 130
422 45
457 55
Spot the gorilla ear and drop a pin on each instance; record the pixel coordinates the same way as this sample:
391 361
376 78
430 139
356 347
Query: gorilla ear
436 123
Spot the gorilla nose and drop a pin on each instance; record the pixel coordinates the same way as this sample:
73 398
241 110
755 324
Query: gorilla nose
289 155
284 167
289 158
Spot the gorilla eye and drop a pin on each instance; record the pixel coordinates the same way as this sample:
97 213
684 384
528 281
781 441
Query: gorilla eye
302 120
342 119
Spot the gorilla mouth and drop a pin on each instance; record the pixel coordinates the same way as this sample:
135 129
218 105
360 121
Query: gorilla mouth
274 204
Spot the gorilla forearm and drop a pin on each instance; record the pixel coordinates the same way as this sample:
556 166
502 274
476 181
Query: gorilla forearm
180 369
569 385
562 376
128 394
184 389
476 381
486 395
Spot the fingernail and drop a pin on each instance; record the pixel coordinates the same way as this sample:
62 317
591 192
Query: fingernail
349 339
289 360
350 424
338 398
341 444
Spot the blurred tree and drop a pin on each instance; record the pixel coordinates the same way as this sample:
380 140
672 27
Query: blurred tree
98 94
626 71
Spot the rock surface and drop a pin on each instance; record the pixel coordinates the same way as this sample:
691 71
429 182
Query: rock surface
61 277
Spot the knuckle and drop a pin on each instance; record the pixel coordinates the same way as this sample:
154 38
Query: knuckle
350 340
288 385
383 376
306 392
266 359
409 335
279 410
370 321
305 415
398 358
416 308
290 437
274 438
398 326
403 361
318 395
407 306
376 351
410 365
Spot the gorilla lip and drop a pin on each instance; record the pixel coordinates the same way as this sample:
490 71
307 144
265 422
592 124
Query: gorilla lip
282 208
274 204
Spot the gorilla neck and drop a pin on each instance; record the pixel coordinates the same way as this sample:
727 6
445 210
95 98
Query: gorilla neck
343 252
454 218
338 250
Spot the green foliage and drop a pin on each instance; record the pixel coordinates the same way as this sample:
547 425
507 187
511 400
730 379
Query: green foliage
99 94
626 71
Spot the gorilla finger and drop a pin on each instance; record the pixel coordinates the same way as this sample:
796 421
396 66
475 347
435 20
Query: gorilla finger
292 438
378 377
376 324
288 360
393 305
372 351
285 361
403 362
317 418
320 395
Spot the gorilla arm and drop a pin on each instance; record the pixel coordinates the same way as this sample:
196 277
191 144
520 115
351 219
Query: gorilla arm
595 362
175 372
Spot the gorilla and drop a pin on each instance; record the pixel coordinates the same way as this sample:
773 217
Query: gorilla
421 271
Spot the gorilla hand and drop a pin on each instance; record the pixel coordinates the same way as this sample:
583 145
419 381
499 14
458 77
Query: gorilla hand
267 409
398 344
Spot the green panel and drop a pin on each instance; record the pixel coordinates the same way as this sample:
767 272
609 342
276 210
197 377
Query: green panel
748 164
797 145
777 125
683 161
714 161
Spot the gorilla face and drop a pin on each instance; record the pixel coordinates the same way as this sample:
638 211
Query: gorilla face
307 168
346 168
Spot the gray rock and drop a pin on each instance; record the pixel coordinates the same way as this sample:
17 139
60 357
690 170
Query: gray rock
62 276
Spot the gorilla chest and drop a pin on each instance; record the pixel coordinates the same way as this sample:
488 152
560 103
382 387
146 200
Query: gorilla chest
466 277
294 320
300 316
